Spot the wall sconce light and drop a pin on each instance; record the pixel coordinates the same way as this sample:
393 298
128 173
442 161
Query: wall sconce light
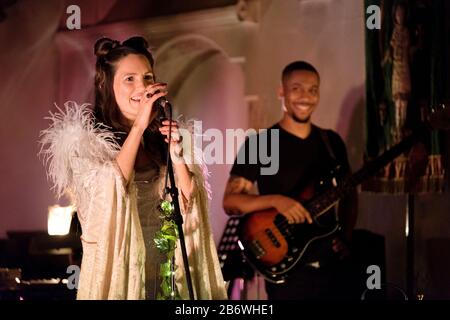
59 220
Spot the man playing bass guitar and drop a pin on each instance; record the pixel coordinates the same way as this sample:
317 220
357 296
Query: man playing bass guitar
307 153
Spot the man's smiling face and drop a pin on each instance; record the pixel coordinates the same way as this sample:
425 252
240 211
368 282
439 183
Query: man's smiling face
300 91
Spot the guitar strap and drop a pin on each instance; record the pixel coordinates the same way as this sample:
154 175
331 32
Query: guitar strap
326 141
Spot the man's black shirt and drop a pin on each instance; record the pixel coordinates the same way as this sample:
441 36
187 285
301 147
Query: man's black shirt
301 161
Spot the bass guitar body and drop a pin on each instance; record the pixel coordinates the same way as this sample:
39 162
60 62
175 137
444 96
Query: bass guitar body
273 246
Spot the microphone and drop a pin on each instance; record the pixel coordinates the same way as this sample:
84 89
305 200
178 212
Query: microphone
161 102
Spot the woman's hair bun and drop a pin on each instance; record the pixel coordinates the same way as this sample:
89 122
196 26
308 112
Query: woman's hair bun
138 43
104 45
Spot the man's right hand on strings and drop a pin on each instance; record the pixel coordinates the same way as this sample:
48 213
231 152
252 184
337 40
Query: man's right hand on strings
238 200
292 210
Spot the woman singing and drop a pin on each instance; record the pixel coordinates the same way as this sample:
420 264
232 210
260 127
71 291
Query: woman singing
111 160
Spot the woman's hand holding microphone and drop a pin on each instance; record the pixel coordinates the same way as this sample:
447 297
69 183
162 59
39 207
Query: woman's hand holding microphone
145 116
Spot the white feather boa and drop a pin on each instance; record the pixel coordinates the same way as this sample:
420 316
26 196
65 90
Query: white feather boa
73 134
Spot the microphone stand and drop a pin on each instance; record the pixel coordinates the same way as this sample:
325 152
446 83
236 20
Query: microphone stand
176 215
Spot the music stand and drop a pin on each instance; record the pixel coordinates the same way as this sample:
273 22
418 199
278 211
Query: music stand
232 261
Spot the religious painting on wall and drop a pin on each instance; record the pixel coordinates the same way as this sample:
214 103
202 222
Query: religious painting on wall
407 80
